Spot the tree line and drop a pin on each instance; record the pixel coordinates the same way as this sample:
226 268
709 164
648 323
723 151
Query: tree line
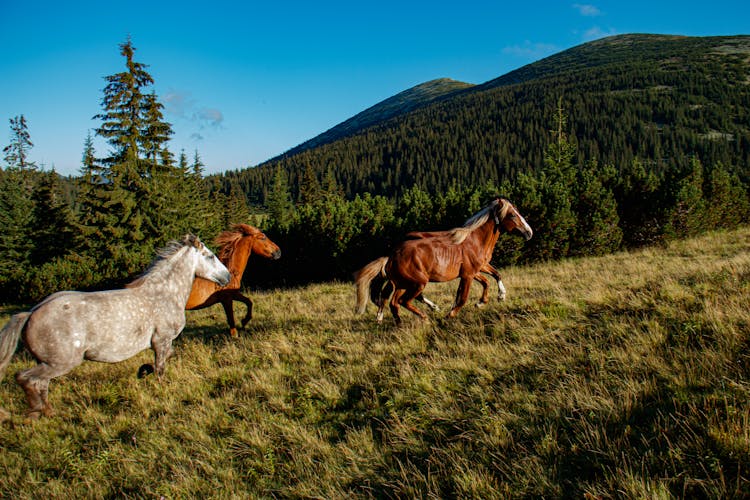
576 208
101 228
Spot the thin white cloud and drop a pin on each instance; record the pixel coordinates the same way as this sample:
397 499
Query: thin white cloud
587 10
180 105
209 117
596 32
531 50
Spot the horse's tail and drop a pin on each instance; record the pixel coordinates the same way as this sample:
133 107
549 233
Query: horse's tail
9 336
364 277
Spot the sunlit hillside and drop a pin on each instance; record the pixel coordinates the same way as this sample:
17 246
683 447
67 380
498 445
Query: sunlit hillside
619 376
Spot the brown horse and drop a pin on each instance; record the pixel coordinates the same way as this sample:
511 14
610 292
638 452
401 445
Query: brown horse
235 247
373 276
459 253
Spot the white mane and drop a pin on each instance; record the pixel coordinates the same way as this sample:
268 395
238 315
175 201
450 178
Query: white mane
459 234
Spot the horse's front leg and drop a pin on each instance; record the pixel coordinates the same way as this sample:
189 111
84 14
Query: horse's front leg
162 352
462 295
489 269
227 304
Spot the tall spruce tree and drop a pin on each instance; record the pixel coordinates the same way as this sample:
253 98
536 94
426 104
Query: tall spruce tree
687 216
53 235
597 230
280 200
17 186
552 211
135 201
17 152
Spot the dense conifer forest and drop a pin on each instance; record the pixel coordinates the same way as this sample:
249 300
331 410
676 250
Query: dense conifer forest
622 142
661 100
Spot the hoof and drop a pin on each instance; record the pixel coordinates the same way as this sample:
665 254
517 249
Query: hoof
145 370
4 415
480 304
233 332
32 416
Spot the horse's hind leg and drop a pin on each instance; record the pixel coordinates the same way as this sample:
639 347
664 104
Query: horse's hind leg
35 383
409 296
462 294
427 302
382 297
485 290
395 305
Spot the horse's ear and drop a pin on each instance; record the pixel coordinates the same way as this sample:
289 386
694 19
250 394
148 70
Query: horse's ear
192 240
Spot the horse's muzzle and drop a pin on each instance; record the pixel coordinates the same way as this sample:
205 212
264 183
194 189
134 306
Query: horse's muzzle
276 255
224 278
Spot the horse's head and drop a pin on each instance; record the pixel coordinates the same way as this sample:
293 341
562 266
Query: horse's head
510 219
261 244
207 265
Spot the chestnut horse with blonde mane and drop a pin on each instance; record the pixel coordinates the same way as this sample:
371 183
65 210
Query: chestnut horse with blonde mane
235 247
446 255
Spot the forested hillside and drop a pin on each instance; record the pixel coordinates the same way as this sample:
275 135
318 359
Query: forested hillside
627 141
400 104
659 99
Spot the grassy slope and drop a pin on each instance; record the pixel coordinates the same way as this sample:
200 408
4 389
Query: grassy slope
626 375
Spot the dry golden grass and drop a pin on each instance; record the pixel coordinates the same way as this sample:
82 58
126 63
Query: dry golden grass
621 376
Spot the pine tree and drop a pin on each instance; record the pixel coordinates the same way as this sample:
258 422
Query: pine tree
17 152
53 235
309 188
597 230
640 210
124 104
16 208
156 132
279 200
134 201
727 198
687 214
553 213
16 221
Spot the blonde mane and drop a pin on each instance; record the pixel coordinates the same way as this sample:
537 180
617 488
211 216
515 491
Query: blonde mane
459 234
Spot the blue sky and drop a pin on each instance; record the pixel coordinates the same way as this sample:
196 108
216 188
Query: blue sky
245 81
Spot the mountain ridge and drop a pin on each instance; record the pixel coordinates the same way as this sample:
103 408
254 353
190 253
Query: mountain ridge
658 98
404 102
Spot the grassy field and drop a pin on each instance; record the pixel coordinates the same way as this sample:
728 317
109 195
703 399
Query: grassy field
626 376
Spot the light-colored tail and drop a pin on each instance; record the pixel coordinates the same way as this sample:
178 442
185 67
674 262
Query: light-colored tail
9 336
364 277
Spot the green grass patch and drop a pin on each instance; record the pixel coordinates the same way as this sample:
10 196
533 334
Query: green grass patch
620 376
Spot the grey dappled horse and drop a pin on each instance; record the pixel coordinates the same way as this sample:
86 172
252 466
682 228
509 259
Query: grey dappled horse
109 326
